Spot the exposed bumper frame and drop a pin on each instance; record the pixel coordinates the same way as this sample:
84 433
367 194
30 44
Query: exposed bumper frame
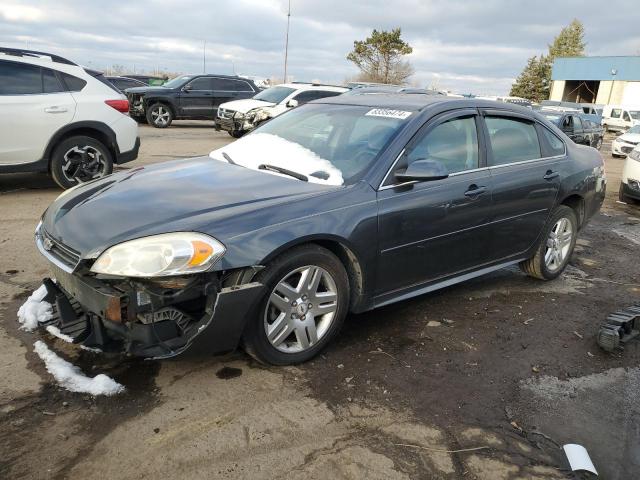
103 320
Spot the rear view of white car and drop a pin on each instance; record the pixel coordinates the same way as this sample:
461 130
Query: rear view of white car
241 116
61 118
630 185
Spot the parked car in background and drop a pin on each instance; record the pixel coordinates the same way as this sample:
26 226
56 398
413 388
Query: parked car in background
622 145
241 116
630 184
60 118
619 118
574 124
341 205
368 90
187 97
122 83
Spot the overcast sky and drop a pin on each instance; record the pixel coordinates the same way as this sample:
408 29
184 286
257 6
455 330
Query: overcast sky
467 46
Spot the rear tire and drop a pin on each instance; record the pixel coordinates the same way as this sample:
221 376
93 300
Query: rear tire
598 144
79 159
624 198
555 246
159 115
304 306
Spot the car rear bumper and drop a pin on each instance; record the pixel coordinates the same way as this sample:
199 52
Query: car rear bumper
124 157
97 314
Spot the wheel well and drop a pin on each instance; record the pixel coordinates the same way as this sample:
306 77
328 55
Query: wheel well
576 202
152 101
87 132
353 267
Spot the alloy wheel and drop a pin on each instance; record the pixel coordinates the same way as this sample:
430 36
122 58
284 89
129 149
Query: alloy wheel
82 164
558 244
160 115
300 309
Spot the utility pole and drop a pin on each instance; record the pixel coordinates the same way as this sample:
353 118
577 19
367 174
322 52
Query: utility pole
286 44
204 57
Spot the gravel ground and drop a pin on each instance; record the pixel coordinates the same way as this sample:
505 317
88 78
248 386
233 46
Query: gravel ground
482 380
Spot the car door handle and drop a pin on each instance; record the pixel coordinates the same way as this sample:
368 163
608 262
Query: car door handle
55 109
475 191
550 175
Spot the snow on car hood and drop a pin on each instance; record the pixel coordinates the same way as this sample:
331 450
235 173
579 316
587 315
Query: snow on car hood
264 148
243 106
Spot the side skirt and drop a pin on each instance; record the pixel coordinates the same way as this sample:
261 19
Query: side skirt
414 291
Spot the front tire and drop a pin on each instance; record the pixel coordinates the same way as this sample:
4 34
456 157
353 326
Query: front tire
306 301
622 197
555 247
142 120
159 115
79 159
236 133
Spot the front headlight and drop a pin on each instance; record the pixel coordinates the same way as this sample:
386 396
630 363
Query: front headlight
258 115
161 255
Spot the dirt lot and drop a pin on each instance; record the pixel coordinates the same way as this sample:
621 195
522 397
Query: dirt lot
482 380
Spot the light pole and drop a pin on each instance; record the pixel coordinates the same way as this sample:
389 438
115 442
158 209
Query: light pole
204 57
286 43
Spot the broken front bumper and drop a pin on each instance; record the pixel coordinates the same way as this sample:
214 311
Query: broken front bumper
98 315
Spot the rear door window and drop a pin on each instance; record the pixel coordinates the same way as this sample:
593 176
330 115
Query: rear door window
20 79
616 112
511 140
50 82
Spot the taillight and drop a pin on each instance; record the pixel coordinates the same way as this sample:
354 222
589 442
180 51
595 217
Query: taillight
120 105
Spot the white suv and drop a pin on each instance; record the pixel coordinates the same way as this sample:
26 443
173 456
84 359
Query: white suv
60 118
630 184
240 116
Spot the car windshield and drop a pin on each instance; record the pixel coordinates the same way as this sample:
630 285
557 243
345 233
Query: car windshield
635 114
177 82
330 144
274 94
634 129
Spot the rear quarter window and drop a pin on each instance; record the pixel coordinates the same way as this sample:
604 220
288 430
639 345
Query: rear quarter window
73 84
553 145
512 140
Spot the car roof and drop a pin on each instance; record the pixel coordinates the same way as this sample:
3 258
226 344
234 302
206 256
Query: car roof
313 86
416 102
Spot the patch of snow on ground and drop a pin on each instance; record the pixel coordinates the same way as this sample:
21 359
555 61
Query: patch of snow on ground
71 377
55 331
258 148
35 310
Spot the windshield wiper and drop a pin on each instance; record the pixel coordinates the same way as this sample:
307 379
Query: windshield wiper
274 168
228 159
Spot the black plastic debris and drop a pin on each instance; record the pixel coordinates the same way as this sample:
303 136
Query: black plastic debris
619 328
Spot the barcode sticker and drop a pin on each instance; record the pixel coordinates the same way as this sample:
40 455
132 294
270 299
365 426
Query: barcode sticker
385 112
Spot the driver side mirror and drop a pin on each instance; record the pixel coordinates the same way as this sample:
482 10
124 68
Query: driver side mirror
292 103
423 170
187 88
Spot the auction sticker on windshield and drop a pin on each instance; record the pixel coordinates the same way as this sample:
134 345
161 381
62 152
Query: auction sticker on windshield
385 112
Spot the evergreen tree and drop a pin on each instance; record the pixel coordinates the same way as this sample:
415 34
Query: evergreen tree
534 82
380 57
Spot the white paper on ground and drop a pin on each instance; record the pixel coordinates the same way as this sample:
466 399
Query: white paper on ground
71 377
579 458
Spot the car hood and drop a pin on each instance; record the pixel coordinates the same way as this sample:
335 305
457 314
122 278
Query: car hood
243 106
199 194
147 89
630 137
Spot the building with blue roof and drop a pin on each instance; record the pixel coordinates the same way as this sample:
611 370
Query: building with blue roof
599 80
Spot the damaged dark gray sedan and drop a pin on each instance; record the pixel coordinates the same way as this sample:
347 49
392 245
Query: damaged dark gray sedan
341 205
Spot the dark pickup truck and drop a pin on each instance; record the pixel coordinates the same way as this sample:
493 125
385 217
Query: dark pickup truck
577 127
188 97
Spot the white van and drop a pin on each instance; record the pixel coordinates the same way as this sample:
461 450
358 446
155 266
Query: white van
620 117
